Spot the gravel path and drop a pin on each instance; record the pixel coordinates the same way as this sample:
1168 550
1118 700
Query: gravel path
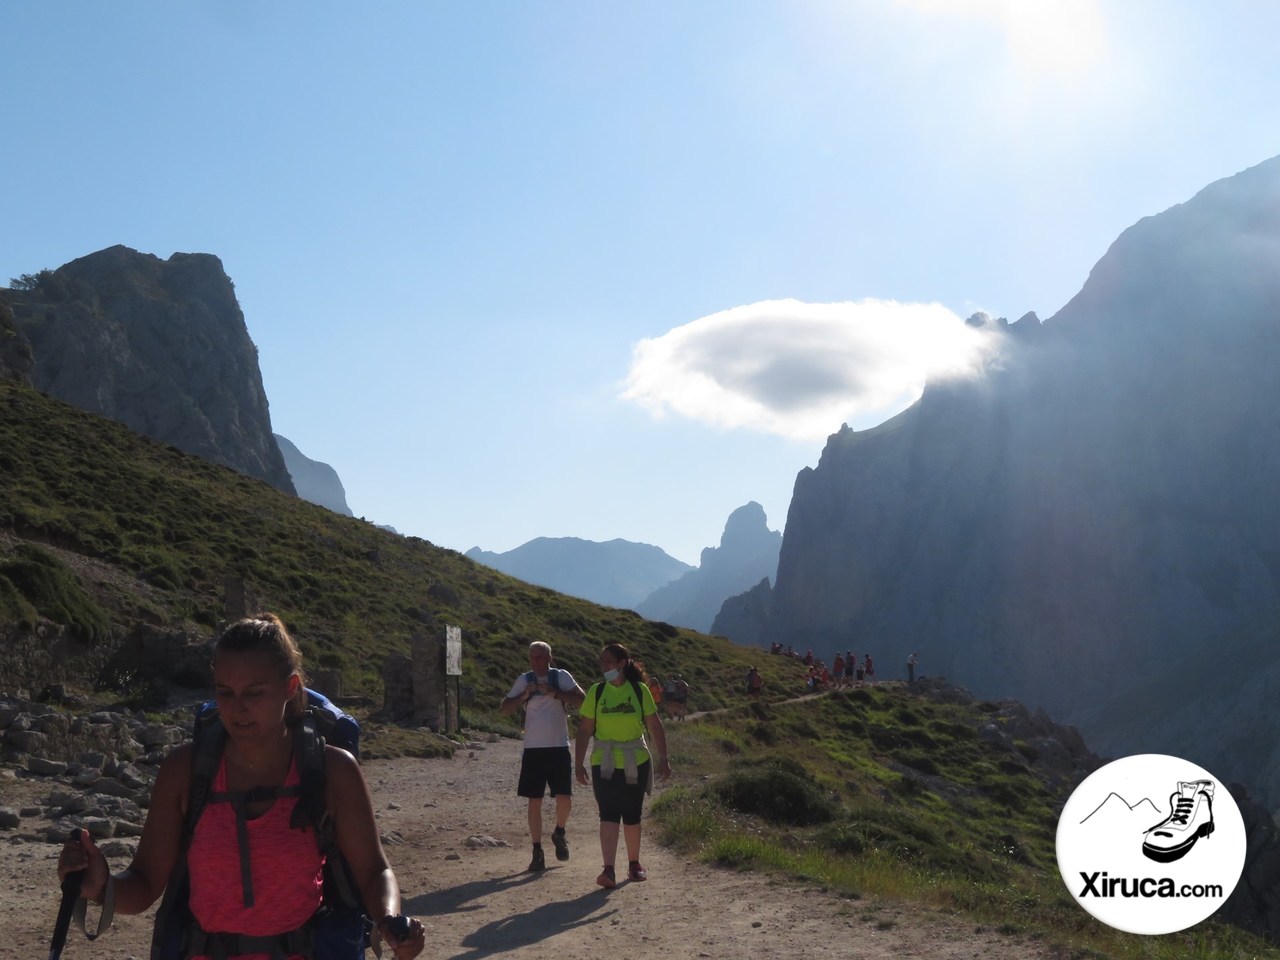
478 902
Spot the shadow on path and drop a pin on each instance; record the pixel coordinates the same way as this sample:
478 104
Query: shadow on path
533 926
451 899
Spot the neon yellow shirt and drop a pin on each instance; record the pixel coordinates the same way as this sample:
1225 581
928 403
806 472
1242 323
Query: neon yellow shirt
617 717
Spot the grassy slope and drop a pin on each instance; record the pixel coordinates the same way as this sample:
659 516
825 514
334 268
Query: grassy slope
139 532
877 791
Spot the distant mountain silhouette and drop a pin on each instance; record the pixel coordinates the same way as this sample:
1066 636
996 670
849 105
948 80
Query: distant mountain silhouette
617 573
1094 525
315 482
748 551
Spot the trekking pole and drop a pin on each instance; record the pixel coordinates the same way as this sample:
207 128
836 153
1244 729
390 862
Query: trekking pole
70 894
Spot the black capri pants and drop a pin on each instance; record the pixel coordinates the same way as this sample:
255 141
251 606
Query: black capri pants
617 799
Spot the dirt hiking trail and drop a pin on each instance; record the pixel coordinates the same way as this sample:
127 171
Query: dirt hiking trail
477 901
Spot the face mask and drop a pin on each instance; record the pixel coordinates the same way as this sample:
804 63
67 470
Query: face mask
611 675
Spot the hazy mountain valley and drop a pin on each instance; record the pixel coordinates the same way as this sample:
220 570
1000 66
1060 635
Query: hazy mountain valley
1090 526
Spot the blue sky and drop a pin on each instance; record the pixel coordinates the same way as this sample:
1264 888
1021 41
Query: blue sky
614 270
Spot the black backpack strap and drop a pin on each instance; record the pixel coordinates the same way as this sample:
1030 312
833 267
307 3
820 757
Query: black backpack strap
310 737
240 801
173 923
308 747
279 946
599 687
206 755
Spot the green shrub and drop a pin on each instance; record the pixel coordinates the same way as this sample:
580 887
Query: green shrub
777 789
54 590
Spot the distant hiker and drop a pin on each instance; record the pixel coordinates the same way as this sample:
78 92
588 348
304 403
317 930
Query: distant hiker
655 687
912 661
546 693
618 713
837 668
678 698
850 664
808 658
253 857
869 670
755 682
859 671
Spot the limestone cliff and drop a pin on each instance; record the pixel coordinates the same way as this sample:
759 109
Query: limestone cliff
1093 526
159 345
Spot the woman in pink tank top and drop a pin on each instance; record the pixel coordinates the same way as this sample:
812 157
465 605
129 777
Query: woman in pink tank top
284 860
243 843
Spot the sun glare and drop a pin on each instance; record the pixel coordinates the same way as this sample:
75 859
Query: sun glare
1041 35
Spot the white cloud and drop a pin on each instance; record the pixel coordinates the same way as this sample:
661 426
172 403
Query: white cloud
798 369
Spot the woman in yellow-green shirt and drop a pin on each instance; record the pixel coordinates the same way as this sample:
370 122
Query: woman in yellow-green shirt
618 712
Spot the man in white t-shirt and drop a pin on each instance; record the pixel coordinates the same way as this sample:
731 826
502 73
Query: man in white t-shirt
546 693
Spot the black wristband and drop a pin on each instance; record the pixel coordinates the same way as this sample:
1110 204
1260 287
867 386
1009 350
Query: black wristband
397 925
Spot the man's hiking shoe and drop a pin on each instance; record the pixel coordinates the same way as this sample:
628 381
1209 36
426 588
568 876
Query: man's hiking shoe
1190 818
539 862
562 844
637 872
607 879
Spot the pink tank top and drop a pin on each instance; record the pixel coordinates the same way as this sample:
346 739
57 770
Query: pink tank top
285 866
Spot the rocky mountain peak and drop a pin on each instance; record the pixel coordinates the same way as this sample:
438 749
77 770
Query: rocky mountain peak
748 551
745 529
158 345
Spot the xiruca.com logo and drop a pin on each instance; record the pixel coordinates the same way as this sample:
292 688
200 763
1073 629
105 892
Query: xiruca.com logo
1150 844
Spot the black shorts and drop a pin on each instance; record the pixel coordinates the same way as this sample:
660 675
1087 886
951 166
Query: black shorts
545 767
617 799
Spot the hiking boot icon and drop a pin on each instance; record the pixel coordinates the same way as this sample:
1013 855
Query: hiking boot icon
1190 818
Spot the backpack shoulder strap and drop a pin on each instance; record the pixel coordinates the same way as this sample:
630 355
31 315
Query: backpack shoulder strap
173 917
206 754
635 685
311 810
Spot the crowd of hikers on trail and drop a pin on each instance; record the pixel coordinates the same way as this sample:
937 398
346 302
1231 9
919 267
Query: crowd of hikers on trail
846 668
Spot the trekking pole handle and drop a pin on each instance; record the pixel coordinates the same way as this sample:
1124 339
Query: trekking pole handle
71 884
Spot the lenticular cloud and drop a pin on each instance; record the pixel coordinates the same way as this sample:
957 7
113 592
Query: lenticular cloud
799 370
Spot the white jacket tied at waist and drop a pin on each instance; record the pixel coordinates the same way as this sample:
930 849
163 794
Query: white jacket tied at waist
630 764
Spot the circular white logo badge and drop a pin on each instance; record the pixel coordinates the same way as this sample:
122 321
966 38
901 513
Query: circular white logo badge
1150 844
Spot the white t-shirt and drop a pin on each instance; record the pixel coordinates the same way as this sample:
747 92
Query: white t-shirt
545 724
